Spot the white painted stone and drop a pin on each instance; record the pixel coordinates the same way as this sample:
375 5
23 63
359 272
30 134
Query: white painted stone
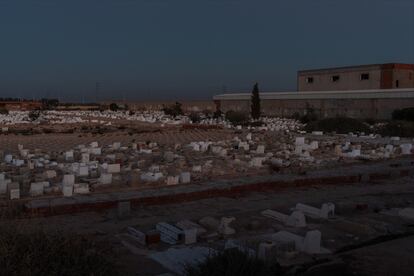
67 190
172 180
8 158
68 179
69 155
406 149
249 136
151 176
327 210
312 242
105 178
314 145
50 174
224 227
96 151
296 219
93 144
18 162
116 145
256 162
36 188
3 185
81 188
197 168
114 168
85 158
24 153
190 236
300 141
260 149
185 177
83 171
14 194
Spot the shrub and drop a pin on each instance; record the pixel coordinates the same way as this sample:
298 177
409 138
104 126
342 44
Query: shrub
207 113
194 117
339 125
233 262
24 252
236 117
173 110
310 116
34 115
397 128
405 114
255 102
113 107
217 114
4 111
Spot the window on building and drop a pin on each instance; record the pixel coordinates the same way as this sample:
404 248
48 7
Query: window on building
365 76
309 80
397 83
335 78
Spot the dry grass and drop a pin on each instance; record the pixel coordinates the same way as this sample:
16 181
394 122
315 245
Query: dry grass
25 250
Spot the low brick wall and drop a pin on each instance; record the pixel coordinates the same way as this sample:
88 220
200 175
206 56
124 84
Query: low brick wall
232 188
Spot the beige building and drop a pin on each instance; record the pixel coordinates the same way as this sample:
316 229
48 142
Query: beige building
366 91
375 76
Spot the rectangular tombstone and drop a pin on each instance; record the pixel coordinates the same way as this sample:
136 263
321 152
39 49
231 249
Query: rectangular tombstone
105 178
67 190
185 177
68 179
114 168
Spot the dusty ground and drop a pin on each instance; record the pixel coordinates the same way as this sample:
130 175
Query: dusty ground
359 219
62 142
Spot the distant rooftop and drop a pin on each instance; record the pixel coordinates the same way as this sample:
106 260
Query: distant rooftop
382 66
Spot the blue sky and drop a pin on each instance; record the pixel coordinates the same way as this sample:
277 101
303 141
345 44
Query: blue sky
189 49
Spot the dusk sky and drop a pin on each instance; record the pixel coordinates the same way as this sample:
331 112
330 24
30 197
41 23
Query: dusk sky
189 49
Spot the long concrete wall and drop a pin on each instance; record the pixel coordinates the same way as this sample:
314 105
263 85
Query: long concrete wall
355 106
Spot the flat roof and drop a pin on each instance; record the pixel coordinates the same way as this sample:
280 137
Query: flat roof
386 65
404 93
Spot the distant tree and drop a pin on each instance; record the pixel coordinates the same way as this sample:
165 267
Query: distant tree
49 103
255 111
113 107
34 115
173 110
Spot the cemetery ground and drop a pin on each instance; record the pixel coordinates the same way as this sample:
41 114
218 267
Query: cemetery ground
366 235
147 194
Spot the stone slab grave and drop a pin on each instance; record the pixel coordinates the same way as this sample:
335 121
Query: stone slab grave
326 211
172 180
169 233
224 227
151 176
105 178
81 188
13 190
296 219
113 168
37 188
185 177
187 224
144 238
3 184
310 244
